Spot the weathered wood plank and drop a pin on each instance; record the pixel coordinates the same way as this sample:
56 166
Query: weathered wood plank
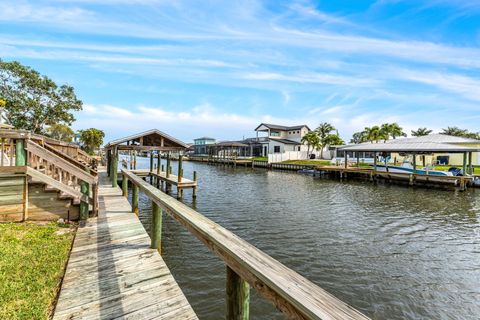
112 271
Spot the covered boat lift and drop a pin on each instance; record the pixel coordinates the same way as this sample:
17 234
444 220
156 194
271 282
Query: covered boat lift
149 141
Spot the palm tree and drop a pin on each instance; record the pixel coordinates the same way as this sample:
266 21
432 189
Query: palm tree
311 139
455 131
324 130
359 137
421 132
385 130
373 134
396 131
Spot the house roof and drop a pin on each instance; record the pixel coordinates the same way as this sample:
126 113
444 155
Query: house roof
408 147
436 138
284 141
171 141
231 144
204 138
280 127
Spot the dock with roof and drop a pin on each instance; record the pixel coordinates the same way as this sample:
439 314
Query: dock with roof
413 147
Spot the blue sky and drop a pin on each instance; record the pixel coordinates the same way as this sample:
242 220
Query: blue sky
219 68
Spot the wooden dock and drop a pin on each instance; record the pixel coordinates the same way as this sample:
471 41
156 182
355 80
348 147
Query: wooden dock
113 273
160 177
457 182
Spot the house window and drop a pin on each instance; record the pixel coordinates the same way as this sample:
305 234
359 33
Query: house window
298 131
275 134
276 149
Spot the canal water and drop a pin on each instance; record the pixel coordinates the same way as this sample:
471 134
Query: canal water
392 252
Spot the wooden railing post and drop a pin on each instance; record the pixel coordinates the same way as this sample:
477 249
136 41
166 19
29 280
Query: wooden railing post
84 188
238 297
114 173
151 161
20 153
180 168
168 165
124 186
135 192
156 235
95 199
194 191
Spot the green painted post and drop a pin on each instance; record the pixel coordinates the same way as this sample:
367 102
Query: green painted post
20 153
470 165
238 297
114 169
151 161
180 169
464 163
414 163
134 159
159 161
125 186
168 165
135 193
109 163
84 188
156 236
194 193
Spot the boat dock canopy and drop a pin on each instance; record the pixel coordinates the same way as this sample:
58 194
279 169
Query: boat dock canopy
432 143
149 140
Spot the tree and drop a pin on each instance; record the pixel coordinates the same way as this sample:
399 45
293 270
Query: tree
359 137
311 140
373 134
385 130
34 101
91 139
396 131
324 132
456 131
334 139
61 132
421 132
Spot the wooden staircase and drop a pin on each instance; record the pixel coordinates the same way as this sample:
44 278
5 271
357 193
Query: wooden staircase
50 186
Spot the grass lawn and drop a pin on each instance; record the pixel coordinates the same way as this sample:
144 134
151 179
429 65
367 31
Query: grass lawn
32 261
260 158
308 162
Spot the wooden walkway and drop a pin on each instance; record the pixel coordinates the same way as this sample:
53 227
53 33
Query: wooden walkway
112 272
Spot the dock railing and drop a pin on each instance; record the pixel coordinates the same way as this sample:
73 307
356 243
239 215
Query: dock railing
32 156
246 265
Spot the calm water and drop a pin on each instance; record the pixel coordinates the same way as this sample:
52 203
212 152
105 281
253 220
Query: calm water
392 252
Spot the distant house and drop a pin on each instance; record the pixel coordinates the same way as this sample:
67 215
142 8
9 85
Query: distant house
200 145
282 139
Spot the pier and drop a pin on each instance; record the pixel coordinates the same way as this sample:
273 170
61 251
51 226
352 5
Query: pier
113 271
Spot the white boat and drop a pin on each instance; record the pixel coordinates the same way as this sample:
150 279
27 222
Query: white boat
407 167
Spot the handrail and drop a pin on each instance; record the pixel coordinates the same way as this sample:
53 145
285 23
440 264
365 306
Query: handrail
293 294
58 185
73 161
59 162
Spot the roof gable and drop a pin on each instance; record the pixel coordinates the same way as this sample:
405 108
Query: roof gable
151 137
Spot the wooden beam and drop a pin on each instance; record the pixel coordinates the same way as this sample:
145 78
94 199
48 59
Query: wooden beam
149 148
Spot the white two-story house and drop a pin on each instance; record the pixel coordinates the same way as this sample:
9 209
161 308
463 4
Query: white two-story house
281 139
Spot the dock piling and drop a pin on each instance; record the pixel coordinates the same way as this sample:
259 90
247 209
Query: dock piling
135 192
124 186
238 296
156 236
